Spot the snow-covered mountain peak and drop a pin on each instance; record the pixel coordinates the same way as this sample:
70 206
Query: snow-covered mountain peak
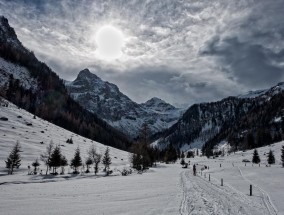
155 100
267 93
158 104
106 100
91 83
8 34
85 73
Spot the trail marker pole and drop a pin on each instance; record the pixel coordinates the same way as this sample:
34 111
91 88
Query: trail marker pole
221 181
250 190
209 177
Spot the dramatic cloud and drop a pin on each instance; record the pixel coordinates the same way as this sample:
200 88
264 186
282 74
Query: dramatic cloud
183 51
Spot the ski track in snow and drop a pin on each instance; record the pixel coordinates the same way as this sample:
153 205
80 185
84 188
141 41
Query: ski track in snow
265 197
203 197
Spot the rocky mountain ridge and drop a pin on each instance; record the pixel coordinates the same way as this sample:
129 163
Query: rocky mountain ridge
106 100
206 125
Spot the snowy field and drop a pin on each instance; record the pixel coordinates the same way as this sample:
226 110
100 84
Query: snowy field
233 197
167 189
35 138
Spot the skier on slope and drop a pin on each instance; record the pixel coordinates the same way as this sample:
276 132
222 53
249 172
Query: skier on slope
194 170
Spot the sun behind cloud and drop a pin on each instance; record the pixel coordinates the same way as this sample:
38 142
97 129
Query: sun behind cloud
110 42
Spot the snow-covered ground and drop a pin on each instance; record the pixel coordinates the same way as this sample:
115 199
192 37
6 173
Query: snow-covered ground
35 138
167 189
267 183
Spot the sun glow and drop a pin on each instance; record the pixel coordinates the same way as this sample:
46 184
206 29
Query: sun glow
110 42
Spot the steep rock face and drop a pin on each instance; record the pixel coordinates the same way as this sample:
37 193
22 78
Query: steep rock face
8 35
156 104
102 97
8 69
106 100
201 122
229 119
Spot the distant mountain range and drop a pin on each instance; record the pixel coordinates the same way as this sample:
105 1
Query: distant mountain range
246 121
106 100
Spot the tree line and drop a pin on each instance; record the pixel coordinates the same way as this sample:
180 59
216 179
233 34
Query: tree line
270 157
54 159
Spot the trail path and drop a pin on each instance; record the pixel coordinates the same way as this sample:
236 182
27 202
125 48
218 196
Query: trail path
203 197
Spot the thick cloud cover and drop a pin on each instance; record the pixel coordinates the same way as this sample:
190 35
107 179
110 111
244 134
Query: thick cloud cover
183 51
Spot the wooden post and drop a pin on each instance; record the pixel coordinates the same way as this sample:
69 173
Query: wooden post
221 181
209 177
220 165
250 190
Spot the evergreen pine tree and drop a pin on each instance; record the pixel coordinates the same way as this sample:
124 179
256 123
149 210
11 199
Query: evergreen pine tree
107 160
270 158
282 156
255 158
76 161
14 159
55 159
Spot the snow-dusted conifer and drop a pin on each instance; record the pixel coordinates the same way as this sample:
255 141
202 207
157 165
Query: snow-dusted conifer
255 158
270 158
76 161
14 159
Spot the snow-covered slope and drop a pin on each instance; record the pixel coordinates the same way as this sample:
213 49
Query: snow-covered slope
105 99
9 37
20 73
264 93
35 138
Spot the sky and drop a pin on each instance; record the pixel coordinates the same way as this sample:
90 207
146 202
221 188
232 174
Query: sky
182 51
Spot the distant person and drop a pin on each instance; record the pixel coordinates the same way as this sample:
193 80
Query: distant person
194 170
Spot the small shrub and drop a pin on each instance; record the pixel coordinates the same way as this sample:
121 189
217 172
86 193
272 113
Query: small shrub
70 141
